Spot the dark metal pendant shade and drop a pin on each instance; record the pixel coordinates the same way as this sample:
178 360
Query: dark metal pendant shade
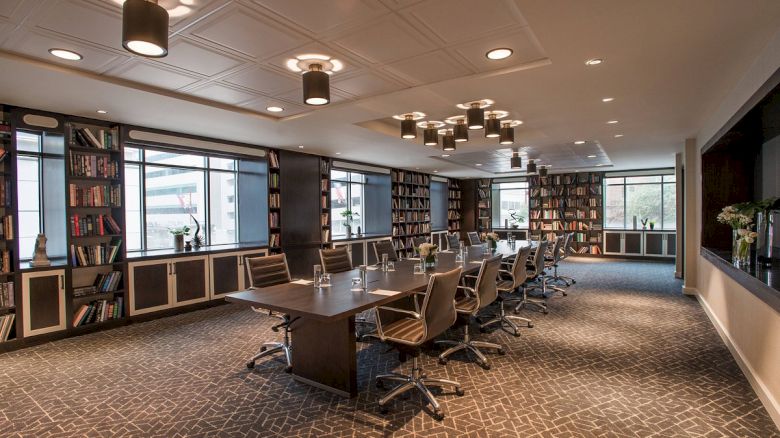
461 132
316 86
448 141
145 28
492 127
542 171
475 116
516 163
408 128
507 135
430 137
530 167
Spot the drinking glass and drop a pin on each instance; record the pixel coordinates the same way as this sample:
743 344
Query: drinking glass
325 280
356 284
419 269
390 266
317 275
384 262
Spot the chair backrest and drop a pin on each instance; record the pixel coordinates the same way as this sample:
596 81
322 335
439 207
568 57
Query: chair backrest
567 245
335 260
519 269
453 242
539 257
268 270
438 308
417 241
557 247
384 247
486 287
474 238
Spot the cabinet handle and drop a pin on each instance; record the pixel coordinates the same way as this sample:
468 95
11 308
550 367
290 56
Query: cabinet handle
170 270
240 260
62 282
173 266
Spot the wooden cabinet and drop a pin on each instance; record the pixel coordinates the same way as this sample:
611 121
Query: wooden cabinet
660 244
189 280
640 243
632 243
165 283
43 301
228 271
361 251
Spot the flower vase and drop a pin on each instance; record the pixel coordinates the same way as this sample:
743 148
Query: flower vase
430 261
743 254
178 242
765 230
735 247
493 245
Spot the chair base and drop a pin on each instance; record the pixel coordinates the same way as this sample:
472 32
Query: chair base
469 345
416 380
270 348
506 321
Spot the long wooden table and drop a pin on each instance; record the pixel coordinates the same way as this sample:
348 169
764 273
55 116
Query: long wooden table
323 337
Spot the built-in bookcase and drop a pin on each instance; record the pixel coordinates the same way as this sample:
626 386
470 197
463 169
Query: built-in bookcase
8 230
568 203
95 289
325 201
274 203
411 201
453 206
484 205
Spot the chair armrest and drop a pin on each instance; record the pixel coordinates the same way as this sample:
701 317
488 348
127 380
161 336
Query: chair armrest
379 329
469 291
502 271
471 276
415 315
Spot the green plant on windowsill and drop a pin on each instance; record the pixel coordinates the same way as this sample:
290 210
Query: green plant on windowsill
349 217
517 218
652 225
178 234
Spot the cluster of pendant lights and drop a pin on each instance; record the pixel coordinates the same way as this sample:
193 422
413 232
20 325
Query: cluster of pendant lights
474 119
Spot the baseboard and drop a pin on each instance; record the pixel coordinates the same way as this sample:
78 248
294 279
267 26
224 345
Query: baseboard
690 290
771 404
678 274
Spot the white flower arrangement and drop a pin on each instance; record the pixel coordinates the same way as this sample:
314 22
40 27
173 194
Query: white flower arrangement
427 249
492 236
734 218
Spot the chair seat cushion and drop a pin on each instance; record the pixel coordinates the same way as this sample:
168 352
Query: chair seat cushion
505 285
405 329
466 304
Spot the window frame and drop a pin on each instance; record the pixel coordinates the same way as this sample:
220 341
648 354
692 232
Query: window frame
496 187
348 181
663 182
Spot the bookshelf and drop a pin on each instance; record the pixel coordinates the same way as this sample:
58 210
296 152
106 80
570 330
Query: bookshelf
565 203
453 206
8 263
95 288
325 218
411 202
484 207
274 203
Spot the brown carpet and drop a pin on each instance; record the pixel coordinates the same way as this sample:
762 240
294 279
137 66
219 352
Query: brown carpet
625 354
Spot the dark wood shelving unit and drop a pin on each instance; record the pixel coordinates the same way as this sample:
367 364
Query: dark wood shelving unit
325 219
484 205
274 203
9 293
454 197
568 203
411 208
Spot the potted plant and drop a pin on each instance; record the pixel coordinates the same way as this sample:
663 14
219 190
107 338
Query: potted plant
516 218
427 253
349 217
652 225
492 240
178 236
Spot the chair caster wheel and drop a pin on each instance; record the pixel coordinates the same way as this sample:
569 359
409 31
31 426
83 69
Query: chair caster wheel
530 325
380 384
460 392
383 410
573 282
442 361
288 370
438 416
250 365
483 330
565 294
486 366
501 352
262 349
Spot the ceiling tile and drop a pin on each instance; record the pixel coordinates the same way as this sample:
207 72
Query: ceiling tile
264 80
82 20
240 29
522 41
197 59
222 93
8 7
386 40
321 16
32 43
154 74
366 84
462 20
429 68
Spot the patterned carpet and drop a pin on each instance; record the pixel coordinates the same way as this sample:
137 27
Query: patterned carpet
623 355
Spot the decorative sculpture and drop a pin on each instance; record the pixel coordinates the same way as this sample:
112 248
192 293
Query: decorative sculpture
197 240
39 253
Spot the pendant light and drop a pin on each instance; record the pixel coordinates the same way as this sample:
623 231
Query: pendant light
530 167
461 132
516 162
430 135
542 171
507 134
408 127
316 86
476 116
493 126
145 28
448 141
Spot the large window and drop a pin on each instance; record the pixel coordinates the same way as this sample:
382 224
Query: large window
168 189
439 204
346 194
651 197
509 198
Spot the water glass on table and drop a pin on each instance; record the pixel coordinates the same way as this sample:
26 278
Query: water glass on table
317 275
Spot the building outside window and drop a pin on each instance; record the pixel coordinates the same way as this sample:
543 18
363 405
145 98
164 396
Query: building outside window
509 197
651 197
346 193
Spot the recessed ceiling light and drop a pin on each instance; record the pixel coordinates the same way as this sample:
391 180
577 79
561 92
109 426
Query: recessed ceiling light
445 155
300 146
435 171
338 153
607 99
500 53
618 135
66 54
274 109
591 156
594 61
612 122
479 164
579 142
102 111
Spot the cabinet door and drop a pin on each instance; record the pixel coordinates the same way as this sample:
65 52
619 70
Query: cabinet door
613 242
43 298
632 243
190 280
242 265
226 274
150 286
671 244
654 244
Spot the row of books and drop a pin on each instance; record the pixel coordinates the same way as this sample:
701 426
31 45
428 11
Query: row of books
273 181
91 255
6 324
325 167
453 205
93 225
5 191
420 192
454 184
411 229
325 236
105 282
273 219
324 219
273 159
410 177
324 201
324 185
453 215
483 193
100 139
402 204
93 166
274 200
274 241
7 228
5 261
411 216
556 180
95 196
564 202
98 311
453 194
7 295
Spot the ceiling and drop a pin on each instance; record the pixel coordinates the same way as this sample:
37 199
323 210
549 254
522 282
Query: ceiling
667 64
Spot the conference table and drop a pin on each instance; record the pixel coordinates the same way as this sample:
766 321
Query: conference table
324 352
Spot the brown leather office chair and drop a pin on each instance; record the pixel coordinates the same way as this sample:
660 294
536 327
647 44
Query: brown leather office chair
335 260
417 241
535 279
436 314
453 243
566 251
475 299
551 261
384 247
509 281
264 272
474 238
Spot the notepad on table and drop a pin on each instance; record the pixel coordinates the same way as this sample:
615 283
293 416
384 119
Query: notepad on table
372 268
412 258
304 282
387 293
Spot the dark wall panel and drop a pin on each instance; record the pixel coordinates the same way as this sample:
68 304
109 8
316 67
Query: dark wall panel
300 193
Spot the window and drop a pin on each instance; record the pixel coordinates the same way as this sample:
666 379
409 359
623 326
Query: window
171 188
439 205
651 197
508 198
346 193
29 185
